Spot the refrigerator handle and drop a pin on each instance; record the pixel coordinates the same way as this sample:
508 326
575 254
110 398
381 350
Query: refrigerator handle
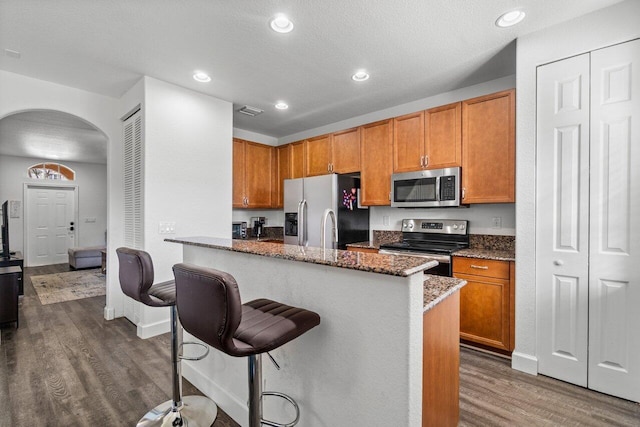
304 223
300 223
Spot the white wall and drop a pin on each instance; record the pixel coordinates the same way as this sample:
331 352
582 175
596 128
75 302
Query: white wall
91 179
596 30
21 93
273 217
187 174
480 217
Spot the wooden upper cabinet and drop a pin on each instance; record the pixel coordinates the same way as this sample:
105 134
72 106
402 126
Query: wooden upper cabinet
253 170
443 136
408 142
318 155
297 159
488 142
238 200
283 156
376 154
346 151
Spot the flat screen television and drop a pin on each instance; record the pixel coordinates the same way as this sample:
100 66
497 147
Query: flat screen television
5 230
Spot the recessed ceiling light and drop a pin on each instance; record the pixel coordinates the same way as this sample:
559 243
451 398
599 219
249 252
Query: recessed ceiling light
281 24
280 105
360 76
510 18
201 77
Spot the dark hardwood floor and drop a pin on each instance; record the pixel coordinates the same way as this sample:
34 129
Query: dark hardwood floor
67 366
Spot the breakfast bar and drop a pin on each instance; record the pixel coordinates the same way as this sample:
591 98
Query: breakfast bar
364 363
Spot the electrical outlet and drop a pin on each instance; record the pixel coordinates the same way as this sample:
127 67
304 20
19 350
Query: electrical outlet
496 222
385 220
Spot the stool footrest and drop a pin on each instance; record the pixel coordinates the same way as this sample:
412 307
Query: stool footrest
288 399
200 357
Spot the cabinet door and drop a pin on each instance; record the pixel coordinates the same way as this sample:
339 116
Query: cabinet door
283 155
443 136
317 155
488 148
376 156
408 142
346 151
259 167
486 302
238 173
297 159
484 311
562 219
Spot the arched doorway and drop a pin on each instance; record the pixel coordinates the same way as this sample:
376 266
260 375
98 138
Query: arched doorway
48 138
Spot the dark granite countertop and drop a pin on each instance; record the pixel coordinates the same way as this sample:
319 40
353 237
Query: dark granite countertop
376 263
492 254
437 288
364 245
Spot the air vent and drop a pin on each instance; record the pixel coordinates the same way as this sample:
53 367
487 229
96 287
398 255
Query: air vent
250 111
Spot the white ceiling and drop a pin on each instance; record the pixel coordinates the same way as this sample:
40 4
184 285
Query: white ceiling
52 135
412 49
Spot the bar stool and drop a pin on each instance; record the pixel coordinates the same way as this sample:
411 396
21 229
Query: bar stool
136 281
209 307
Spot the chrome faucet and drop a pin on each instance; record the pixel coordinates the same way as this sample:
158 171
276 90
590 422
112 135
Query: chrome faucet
334 228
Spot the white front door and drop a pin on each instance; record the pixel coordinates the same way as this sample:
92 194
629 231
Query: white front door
50 223
614 261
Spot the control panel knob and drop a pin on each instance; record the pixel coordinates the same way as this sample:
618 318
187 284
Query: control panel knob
455 226
410 226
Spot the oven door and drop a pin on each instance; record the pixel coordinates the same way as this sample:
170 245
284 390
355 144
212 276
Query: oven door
444 261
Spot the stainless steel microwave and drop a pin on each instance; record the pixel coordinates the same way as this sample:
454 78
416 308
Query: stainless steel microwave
426 189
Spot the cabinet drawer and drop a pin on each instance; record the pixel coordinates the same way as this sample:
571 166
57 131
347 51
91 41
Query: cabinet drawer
481 267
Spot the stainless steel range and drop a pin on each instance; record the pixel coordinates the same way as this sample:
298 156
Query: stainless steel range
431 238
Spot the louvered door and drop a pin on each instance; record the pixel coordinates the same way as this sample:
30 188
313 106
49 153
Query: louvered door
133 182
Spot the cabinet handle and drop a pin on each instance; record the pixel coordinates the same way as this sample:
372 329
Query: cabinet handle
464 190
328 167
480 267
421 161
426 161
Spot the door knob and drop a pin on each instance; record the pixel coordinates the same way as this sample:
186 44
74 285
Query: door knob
558 262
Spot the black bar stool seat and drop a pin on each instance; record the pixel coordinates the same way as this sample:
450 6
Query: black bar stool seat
209 307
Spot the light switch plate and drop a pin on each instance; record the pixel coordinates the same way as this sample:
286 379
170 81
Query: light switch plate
166 227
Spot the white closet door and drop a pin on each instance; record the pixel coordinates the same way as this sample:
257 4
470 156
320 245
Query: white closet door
562 219
614 263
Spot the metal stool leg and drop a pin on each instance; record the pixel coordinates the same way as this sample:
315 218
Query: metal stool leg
192 411
256 394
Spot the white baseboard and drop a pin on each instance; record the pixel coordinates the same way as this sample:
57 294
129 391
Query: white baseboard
229 403
109 313
524 362
152 329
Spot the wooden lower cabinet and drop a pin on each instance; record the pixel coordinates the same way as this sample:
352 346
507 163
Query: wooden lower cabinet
441 364
487 302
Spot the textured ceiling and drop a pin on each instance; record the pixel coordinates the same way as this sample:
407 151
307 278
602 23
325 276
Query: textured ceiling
52 135
412 49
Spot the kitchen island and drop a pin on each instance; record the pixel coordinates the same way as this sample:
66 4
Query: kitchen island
363 365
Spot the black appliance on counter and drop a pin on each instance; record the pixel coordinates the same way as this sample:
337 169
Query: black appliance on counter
431 238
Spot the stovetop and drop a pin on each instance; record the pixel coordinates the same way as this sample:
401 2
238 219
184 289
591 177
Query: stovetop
432 236
428 247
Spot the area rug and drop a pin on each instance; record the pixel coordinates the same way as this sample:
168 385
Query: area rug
69 286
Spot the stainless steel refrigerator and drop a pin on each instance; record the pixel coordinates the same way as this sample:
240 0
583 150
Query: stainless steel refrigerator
305 202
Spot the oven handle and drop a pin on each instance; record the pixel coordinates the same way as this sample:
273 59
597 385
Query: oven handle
442 259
